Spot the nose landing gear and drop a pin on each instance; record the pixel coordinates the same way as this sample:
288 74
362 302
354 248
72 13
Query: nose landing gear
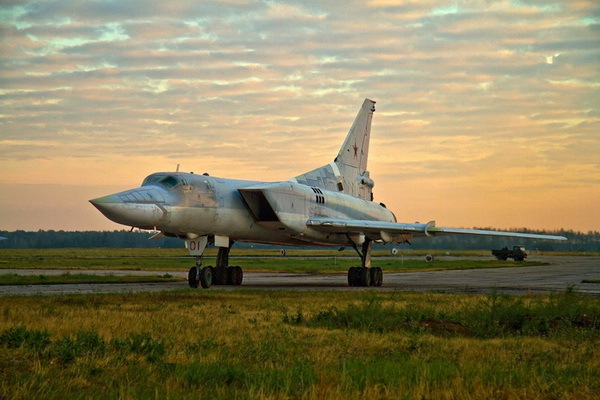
198 276
194 277
222 274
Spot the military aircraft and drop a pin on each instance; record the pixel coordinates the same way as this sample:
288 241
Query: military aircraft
329 206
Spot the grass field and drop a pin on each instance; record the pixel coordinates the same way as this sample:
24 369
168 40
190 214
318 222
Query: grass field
307 261
76 278
217 345
322 345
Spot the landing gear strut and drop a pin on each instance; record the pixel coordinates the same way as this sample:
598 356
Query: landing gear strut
222 274
365 275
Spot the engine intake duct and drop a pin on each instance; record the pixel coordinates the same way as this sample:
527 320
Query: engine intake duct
258 205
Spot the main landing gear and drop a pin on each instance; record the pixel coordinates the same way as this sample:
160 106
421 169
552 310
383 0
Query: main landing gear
365 275
222 274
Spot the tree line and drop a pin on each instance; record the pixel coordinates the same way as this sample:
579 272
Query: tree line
577 241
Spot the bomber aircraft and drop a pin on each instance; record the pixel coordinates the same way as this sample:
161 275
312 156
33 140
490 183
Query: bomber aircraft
329 206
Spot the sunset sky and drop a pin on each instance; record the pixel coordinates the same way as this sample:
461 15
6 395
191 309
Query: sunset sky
488 112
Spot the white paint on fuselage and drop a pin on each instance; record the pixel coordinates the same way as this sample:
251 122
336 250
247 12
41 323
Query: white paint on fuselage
214 206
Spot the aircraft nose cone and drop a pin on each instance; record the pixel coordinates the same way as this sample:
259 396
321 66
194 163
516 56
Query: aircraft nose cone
108 205
101 202
139 208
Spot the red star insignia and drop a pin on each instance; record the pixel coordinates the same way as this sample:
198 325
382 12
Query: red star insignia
355 147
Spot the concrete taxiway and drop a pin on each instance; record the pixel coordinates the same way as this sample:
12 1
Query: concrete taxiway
560 274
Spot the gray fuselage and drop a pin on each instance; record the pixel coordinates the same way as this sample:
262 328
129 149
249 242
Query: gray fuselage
187 205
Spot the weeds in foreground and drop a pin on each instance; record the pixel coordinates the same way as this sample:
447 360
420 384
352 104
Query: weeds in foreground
223 345
567 313
68 349
19 336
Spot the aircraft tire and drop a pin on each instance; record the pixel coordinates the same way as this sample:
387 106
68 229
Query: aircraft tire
353 276
235 275
240 276
376 276
365 276
194 277
220 276
206 277
230 274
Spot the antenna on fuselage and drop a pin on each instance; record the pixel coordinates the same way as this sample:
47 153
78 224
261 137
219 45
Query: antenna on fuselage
177 170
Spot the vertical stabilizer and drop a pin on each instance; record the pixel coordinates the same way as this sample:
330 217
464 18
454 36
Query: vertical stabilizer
355 150
348 171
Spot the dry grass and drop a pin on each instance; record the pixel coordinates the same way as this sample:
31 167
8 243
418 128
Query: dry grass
211 344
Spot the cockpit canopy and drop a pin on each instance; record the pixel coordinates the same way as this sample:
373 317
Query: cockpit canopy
166 180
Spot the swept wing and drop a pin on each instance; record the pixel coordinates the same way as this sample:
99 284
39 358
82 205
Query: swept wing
401 232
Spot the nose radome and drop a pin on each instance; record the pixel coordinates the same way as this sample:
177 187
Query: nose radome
108 205
131 209
102 201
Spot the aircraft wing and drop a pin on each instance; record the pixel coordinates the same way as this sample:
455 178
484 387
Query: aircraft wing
401 232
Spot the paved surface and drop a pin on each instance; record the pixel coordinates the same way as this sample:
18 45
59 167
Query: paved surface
563 272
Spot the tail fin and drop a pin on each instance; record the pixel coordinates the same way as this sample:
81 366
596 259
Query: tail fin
348 171
355 150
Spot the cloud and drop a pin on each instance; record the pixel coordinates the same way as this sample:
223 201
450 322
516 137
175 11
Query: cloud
268 89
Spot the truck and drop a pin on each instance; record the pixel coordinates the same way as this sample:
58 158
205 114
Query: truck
518 253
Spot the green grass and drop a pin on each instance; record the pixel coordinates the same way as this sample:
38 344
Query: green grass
307 261
245 344
133 259
66 278
496 316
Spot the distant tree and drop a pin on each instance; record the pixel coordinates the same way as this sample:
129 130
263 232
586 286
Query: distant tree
577 241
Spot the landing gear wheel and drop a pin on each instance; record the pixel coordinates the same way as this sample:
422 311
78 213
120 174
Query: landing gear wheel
239 275
235 275
194 277
365 277
353 276
376 276
220 276
206 277
230 275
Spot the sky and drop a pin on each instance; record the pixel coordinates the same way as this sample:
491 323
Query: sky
488 112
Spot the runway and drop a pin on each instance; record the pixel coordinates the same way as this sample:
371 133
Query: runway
560 274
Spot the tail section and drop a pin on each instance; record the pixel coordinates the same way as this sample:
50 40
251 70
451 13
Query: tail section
355 150
348 171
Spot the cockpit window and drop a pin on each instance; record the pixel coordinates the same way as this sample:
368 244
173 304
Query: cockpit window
160 179
170 181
